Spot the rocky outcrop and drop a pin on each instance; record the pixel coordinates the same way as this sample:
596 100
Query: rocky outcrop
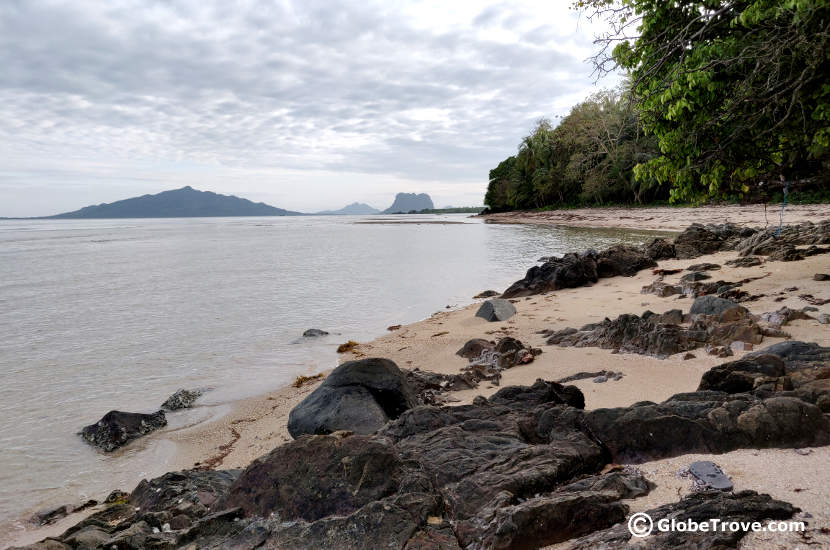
525 468
360 396
410 202
496 309
623 260
712 322
789 369
570 271
744 506
182 399
117 428
574 270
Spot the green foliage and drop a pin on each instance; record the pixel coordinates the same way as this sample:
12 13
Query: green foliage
735 91
587 159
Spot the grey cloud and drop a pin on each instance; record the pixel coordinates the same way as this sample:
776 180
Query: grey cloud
262 85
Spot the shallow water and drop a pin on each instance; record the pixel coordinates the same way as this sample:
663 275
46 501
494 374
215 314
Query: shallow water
118 314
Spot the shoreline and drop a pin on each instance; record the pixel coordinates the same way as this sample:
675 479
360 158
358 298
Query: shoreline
251 427
666 218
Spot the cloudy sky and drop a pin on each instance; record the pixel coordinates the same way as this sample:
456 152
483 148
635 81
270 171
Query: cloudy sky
305 105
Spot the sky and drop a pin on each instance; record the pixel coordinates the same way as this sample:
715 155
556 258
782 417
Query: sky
303 105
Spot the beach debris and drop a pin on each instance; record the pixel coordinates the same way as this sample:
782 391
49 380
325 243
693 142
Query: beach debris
821 277
117 428
347 347
486 294
605 374
473 348
392 328
810 299
301 381
359 396
496 309
116 496
719 351
710 476
706 266
783 316
695 276
182 399
314 333
740 346
745 261
662 289
442 333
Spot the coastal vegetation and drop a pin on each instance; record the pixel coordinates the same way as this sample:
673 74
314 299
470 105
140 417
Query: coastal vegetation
721 101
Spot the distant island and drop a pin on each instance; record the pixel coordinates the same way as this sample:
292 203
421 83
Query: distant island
178 203
193 203
409 202
354 209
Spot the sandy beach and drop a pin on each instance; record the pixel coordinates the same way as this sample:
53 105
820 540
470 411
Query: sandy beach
253 427
667 218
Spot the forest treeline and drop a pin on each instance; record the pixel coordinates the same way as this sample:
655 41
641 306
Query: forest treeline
723 100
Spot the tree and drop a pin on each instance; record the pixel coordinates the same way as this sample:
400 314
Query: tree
735 91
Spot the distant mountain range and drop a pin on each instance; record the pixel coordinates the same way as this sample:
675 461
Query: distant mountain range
409 202
178 203
354 209
192 203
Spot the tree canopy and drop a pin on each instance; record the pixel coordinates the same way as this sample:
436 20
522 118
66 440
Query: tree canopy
723 95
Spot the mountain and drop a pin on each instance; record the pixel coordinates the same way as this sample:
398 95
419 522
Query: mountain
178 203
354 209
407 202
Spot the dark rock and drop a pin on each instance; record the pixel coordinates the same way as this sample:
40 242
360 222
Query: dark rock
117 428
821 277
314 333
744 506
318 476
473 348
51 515
660 249
622 260
746 261
706 422
496 310
359 396
570 271
662 289
182 399
187 492
697 240
431 387
606 374
694 277
486 294
706 266
786 253
710 476
712 305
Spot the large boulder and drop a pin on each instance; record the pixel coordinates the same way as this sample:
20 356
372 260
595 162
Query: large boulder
697 240
660 249
623 260
117 428
358 396
570 271
496 309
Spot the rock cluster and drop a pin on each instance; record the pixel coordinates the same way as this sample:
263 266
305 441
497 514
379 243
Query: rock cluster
712 321
523 469
116 428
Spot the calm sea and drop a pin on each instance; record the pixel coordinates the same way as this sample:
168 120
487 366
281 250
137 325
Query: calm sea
118 314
